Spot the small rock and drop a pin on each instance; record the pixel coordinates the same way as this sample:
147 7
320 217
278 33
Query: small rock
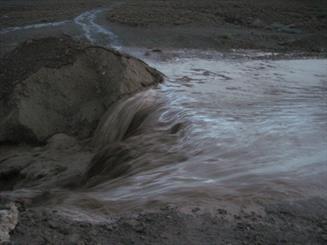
284 28
257 23
139 228
61 142
156 50
222 211
237 217
53 225
8 222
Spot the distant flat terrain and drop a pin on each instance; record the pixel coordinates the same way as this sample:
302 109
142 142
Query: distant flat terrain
22 12
246 24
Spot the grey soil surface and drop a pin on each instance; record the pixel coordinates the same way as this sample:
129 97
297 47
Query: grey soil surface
283 223
295 25
21 12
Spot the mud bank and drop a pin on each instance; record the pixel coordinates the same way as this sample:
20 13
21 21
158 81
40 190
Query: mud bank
54 92
21 12
279 25
282 223
57 85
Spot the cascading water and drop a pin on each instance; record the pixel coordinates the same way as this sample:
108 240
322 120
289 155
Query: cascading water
230 128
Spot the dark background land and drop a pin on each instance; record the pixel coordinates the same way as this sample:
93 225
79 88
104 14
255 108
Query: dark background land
220 24
293 25
21 12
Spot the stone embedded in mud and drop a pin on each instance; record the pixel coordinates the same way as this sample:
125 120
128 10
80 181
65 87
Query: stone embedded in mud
8 221
57 85
61 142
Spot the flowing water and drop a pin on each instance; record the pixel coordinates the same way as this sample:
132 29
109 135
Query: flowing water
94 32
220 127
235 126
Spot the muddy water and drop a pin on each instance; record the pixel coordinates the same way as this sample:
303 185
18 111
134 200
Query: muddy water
230 127
226 127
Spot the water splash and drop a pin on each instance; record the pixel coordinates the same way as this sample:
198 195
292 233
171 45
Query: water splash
228 128
124 118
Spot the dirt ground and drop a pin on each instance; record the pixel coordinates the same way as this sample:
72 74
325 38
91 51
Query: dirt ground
296 25
285 26
282 223
20 12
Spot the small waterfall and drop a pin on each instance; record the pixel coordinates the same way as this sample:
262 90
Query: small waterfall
125 117
135 135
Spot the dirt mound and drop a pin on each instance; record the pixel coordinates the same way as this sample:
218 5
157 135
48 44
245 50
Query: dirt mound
58 85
